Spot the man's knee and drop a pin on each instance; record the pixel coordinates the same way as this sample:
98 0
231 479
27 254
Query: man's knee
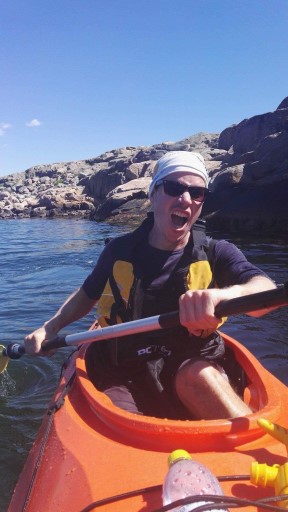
193 371
205 391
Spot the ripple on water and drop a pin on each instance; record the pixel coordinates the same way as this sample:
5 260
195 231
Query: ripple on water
7 385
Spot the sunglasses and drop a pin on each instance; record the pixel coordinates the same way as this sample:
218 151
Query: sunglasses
175 189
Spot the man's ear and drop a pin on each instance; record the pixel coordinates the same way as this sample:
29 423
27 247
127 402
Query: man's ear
152 196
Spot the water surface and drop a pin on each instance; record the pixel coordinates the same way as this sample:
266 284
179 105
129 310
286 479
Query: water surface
42 262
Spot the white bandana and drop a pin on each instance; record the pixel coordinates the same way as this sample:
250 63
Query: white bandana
179 161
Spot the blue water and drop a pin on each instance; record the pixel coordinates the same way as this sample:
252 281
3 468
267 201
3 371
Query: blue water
42 262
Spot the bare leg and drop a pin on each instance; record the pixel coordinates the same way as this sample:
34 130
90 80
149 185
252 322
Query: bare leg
206 393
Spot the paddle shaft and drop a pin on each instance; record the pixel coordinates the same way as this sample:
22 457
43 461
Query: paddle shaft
256 301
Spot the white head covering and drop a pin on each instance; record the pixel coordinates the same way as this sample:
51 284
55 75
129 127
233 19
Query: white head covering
179 161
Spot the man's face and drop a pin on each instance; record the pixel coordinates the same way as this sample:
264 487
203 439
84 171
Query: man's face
174 216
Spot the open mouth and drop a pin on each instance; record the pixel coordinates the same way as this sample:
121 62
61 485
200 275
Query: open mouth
179 219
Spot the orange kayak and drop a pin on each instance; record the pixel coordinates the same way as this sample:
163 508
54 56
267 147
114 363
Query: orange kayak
90 455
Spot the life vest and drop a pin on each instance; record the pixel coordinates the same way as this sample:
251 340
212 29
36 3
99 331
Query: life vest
119 301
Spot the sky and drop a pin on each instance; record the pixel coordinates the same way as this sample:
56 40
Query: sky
81 77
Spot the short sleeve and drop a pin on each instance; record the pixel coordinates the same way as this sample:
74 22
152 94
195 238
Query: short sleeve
231 265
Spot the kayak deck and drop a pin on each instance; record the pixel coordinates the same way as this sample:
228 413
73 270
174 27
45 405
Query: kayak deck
90 450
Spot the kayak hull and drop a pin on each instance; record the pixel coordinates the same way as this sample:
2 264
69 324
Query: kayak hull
89 450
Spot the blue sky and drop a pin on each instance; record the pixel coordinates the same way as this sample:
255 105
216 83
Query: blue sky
81 77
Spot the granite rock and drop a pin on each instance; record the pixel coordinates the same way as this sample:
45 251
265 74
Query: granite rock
247 164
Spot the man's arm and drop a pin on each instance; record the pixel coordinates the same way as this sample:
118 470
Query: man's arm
75 307
255 285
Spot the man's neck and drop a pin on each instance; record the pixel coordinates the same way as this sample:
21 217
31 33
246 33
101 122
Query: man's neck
160 242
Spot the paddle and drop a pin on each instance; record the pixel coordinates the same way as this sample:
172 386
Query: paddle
3 359
262 300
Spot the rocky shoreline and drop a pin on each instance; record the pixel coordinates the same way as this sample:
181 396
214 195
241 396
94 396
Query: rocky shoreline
247 163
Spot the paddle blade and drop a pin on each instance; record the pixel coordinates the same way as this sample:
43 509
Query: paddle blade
3 359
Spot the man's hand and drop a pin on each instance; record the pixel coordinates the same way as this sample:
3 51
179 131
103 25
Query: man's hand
197 309
33 342
76 306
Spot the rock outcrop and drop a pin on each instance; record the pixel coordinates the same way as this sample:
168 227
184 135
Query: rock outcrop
247 164
251 183
46 191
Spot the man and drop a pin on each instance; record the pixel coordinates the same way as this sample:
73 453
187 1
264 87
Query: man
166 264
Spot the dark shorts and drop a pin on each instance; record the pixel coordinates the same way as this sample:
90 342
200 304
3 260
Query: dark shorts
148 388
141 389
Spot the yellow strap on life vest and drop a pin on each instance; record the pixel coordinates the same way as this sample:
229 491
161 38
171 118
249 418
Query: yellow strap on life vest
199 278
124 277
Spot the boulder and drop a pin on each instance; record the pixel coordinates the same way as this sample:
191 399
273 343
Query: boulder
134 189
260 209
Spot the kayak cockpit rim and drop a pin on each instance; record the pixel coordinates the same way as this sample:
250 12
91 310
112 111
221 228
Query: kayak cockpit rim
262 394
